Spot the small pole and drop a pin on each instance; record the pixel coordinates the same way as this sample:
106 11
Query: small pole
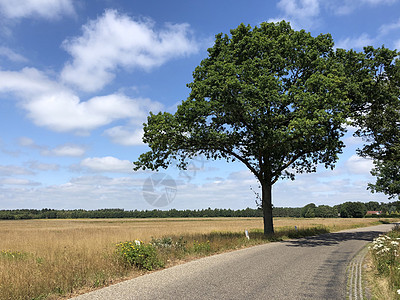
246 232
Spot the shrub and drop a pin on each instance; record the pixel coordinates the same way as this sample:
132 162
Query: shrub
139 254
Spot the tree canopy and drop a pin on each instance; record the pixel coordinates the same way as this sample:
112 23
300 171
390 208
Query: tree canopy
270 97
376 113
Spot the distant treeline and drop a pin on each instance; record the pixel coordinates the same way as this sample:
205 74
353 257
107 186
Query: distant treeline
121 213
345 210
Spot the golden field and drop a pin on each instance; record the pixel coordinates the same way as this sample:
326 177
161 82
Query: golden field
50 259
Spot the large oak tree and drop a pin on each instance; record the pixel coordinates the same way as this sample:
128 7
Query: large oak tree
270 97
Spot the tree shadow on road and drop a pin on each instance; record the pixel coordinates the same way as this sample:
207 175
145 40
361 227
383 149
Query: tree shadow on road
331 239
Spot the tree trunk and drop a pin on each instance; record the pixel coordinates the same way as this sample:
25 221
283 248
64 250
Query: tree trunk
267 207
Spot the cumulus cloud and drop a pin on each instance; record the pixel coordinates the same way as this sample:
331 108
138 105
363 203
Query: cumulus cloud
300 8
116 41
107 164
123 135
52 105
300 13
47 9
65 111
359 165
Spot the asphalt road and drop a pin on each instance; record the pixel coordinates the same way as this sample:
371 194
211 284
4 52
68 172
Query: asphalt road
310 268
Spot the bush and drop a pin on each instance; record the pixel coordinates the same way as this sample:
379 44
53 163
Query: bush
139 254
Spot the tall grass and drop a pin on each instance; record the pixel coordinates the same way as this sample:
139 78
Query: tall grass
385 256
50 259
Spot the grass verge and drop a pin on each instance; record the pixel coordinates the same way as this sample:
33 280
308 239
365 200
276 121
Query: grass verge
383 266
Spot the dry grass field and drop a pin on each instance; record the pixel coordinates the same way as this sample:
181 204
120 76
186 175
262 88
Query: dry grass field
48 259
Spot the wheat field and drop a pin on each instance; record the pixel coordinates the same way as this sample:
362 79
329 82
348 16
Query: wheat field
51 259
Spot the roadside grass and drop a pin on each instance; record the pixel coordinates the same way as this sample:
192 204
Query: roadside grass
56 259
383 261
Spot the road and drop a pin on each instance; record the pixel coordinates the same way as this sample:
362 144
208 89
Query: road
310 268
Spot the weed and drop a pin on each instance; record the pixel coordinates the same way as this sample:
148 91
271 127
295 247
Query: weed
139 254
199 247
13 255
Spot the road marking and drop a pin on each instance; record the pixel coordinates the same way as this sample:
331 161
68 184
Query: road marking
354 270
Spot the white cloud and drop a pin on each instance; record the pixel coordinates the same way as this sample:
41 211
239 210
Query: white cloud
355 43
125 135
27 142
117 41
47 9
107 164
65 150
17 181
353 140
305 14
346 7
52 105
387 28
11 55
233 191
62 150
65 111
300 8
359 165
88 192
8 170
43 166
300 13
101 181
28 82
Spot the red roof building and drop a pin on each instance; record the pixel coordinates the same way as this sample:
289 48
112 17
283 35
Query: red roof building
374 212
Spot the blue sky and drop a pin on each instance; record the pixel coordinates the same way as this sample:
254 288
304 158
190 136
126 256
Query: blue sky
78 79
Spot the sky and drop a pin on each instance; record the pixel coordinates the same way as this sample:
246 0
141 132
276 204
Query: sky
79 78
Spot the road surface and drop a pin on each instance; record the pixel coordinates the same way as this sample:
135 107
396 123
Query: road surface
311 268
